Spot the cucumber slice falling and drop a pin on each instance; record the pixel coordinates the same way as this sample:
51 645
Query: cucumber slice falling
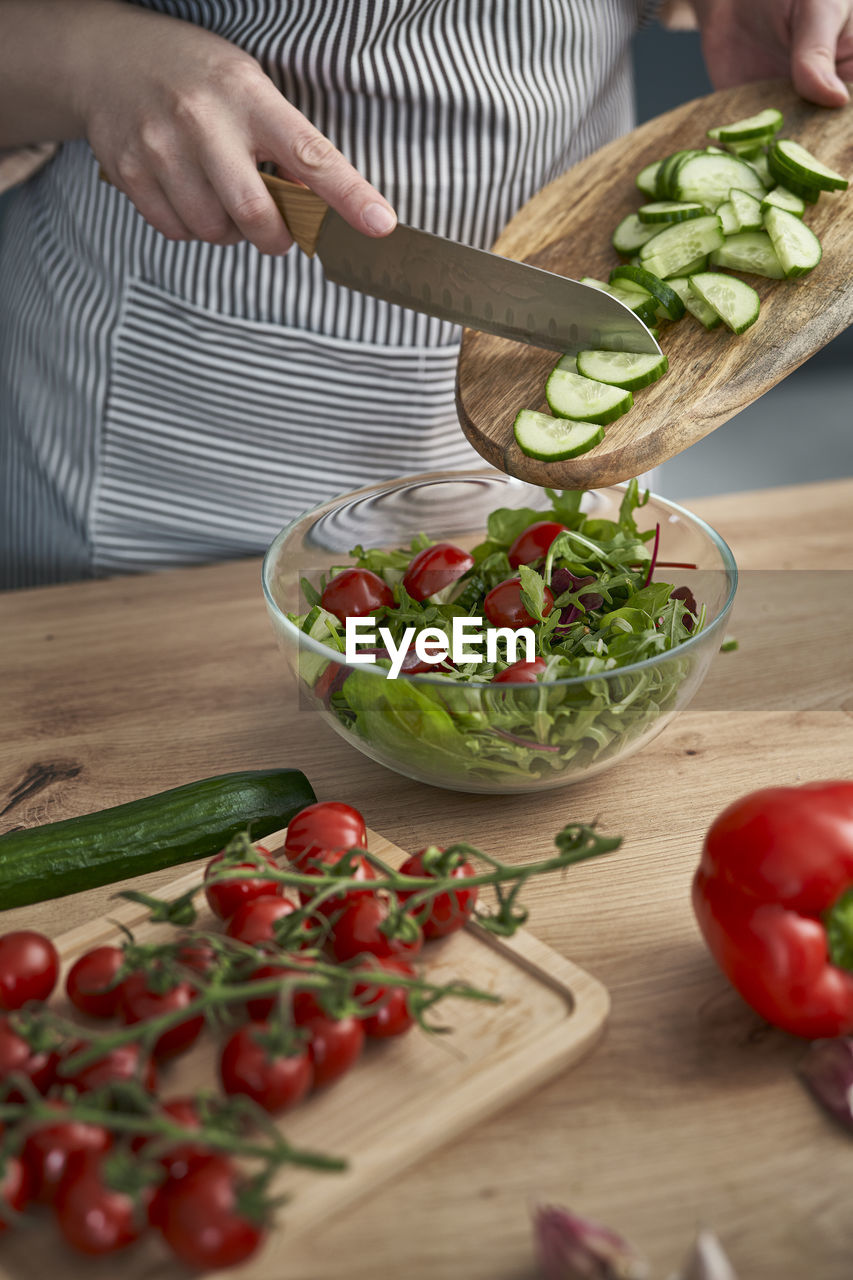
554 439
570 395
797 247
624 369
735 302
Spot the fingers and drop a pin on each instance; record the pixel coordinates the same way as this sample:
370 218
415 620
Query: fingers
149 198
249 206
305 155
814 42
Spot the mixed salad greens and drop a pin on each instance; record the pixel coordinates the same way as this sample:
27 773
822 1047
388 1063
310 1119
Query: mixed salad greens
582 584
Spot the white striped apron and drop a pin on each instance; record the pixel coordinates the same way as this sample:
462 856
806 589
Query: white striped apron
166 403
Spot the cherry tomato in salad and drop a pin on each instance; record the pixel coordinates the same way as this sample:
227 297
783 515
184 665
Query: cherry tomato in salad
323 826
358 931
446 912
225 897
392 1016
503 607
92 1217
19 1058
358 869
47 1150
435 568
534 542
355 593
92 985
251 1065
202 1220
29 967
124 1062
521 672
15 1188
141 1001
335 1045
255 921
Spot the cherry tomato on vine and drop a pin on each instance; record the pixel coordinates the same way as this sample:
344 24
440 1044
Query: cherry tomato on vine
225 897
259 1008
176 1160
124 1062
503 607
358 869
435 568
329 824
195 954
91 983
18 1057
92 1217
446 912
335 1045
255 921
392 1016
251 1065
15 1188
355 593
358 931
534 542
521 672
141 1001
47 1150
29 967
201 1218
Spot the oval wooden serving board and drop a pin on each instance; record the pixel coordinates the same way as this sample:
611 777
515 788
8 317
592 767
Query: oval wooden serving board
403 1099
567 228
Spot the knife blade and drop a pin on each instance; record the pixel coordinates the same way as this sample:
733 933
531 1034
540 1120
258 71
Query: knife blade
460 283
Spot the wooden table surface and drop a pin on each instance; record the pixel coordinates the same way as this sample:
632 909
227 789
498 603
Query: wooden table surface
689 1113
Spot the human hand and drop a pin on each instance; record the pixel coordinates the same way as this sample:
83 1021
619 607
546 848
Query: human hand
179 120
810 41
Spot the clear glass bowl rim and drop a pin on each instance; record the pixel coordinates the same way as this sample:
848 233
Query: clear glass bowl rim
333 655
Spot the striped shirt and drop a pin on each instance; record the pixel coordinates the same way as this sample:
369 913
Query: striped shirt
168 403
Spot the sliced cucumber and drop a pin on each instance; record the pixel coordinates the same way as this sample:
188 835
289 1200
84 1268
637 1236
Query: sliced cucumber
760 166
677 246
698 309
797 247
666 175
570 395
663 211
749 251
645 179
667 297
708 179
567 362
747 150
639 300
768 121
631 234
698 264
781 198
553 439
624 369
782 173
747 210
806 168
728 218
735 302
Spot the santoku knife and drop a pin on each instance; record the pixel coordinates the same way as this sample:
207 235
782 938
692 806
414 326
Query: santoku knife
459 283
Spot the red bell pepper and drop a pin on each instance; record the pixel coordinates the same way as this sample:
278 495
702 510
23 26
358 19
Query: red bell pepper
774 899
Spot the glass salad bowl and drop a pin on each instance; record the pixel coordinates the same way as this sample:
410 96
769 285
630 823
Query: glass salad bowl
467 732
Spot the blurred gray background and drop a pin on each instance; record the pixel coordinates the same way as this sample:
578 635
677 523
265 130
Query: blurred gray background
802 430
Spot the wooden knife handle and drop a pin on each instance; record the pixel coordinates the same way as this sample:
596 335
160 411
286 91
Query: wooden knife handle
301 209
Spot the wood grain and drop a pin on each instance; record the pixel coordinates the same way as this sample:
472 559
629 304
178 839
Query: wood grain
404 1098
688 1113
713 375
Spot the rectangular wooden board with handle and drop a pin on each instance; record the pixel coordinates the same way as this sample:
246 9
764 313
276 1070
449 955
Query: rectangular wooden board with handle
404 1098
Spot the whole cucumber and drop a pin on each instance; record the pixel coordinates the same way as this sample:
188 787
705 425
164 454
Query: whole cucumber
188 822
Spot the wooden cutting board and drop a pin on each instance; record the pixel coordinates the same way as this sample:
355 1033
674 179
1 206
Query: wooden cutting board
401 1101
567 228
